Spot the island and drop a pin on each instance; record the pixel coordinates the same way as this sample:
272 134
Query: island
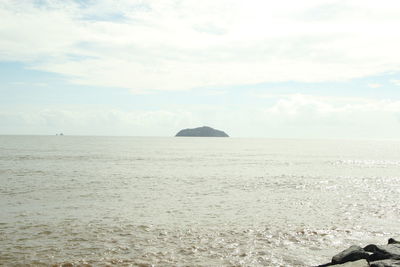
204 131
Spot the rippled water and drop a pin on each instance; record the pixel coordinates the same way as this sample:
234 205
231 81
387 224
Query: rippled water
193 201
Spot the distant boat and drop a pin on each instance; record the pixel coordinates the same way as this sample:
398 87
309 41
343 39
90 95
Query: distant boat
60 134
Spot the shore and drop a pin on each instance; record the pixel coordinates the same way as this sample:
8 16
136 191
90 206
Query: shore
370 256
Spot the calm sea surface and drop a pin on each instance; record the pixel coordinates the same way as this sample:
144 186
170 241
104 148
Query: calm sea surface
127 201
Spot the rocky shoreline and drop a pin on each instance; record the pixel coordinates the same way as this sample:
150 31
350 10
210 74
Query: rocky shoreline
369 256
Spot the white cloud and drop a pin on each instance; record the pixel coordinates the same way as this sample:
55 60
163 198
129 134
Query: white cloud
288 116
332 117
295 104
374 85
178 45
395 82
93 121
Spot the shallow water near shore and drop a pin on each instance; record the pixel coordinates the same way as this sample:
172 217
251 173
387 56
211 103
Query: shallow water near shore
130 201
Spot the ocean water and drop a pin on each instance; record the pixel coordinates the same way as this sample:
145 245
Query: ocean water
128 201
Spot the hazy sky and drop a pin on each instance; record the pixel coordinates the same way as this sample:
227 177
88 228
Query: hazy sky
253 68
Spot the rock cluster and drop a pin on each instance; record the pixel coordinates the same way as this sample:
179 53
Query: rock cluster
369 256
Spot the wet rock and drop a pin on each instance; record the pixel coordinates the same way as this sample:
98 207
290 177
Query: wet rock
359 263
391 251
371 248
393 241
386 263
371 255
353 253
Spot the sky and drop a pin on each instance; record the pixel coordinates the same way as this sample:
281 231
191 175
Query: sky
253 68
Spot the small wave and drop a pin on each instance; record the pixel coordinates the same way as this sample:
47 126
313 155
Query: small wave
367 163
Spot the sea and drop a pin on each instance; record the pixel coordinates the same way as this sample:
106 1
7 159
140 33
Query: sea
193 201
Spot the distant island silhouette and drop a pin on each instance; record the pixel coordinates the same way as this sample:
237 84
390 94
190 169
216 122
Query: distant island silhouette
204 131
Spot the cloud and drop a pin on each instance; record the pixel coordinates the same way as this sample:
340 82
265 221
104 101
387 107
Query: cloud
374 85
395 82
295 104
93 121
307 116
286 116
34 84
179 45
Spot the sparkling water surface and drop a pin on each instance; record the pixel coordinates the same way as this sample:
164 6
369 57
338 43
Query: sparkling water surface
131 201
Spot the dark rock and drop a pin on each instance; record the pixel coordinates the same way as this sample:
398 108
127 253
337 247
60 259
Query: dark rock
376 253
393 241
202 132
391 251
371 248
359 263
353 253
385 263
377 256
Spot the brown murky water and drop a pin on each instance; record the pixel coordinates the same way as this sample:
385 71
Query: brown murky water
125 201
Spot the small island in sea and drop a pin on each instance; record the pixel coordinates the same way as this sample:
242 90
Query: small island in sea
204 131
